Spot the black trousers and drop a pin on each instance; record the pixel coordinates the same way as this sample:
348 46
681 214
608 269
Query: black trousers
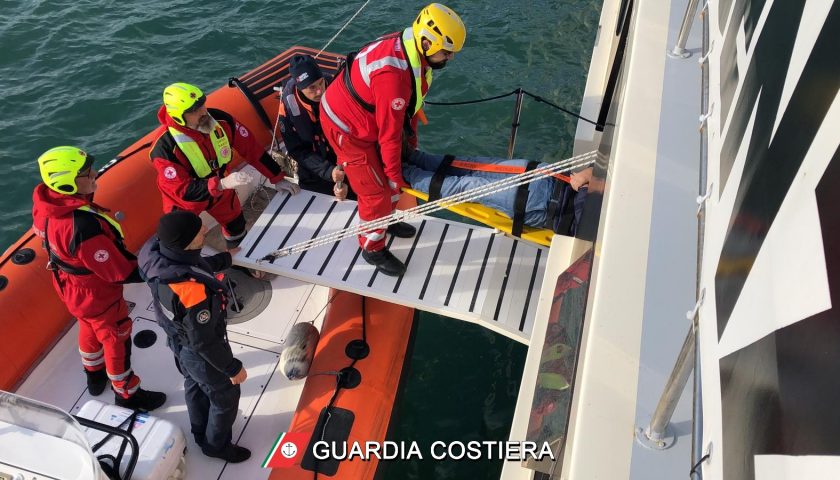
212 401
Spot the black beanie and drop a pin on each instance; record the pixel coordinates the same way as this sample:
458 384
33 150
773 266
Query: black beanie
177 229
304 70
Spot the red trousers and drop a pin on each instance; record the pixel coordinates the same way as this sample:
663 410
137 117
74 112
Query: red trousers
377 196
227 210
104 332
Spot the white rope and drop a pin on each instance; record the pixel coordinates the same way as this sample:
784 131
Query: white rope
342 29
443 203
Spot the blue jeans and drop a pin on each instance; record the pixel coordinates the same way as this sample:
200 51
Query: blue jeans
421 166
212 401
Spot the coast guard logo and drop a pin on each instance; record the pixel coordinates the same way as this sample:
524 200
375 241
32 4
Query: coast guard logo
398 103
225 151
243 131
289 450
101 256
170 173
203 317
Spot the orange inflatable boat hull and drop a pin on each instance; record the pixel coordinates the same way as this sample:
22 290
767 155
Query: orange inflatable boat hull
33 317
388 330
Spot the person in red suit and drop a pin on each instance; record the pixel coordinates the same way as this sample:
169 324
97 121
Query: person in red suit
371 109
90 264
191 153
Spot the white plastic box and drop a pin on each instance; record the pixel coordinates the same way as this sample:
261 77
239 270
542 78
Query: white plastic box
162 444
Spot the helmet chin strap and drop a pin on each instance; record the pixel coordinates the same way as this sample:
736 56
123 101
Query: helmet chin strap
435 65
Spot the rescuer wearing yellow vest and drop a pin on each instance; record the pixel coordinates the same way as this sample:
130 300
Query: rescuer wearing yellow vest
90 264
192 152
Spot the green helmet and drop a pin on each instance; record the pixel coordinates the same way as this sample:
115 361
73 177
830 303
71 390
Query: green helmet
181 98
60 166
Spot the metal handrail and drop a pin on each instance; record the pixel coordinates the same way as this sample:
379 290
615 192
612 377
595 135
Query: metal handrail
127 437
657 435
697 407
679 50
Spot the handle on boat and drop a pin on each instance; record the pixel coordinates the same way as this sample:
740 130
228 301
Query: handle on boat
275 255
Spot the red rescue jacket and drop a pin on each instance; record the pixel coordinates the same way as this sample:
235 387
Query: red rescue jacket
178 183
384 80
84 241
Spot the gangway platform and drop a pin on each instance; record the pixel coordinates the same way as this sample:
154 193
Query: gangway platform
454 269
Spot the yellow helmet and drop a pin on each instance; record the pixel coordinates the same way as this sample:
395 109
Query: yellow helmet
441 26
181 98
60 166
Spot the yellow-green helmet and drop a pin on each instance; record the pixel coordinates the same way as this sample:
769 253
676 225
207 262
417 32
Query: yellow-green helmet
441 26
60 166
180 98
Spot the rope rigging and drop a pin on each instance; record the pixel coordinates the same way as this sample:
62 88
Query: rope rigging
513 181
536 98
433 206
342 29
478 100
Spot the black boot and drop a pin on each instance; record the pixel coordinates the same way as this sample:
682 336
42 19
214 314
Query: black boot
96 381
143 400
402 230
231 454
385 262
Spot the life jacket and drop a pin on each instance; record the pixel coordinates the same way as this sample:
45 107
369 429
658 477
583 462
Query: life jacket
191 150
302 117
55 262
409 47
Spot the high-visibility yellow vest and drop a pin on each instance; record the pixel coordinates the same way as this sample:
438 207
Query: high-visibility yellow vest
110 220
193 152
413 55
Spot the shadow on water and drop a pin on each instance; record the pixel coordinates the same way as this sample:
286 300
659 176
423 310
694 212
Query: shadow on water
460 385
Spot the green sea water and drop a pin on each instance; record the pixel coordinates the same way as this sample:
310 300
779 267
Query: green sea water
90 73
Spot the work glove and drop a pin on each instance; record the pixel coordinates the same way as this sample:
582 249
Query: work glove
396 190
286 186
234 180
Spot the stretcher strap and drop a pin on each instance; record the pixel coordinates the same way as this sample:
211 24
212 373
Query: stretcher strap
496 168
439 177
520 203
471 195
554 203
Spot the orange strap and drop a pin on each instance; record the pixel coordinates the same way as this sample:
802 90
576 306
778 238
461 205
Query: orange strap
496 168
421 115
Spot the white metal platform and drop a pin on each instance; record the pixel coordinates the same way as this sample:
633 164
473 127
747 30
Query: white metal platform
454 269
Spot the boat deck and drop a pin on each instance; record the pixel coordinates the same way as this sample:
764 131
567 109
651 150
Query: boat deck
268 399
462 271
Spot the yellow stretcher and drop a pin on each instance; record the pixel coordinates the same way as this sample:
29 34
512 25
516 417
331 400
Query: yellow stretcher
492 218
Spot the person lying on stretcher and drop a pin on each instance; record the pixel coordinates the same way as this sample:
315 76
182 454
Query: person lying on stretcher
551 203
